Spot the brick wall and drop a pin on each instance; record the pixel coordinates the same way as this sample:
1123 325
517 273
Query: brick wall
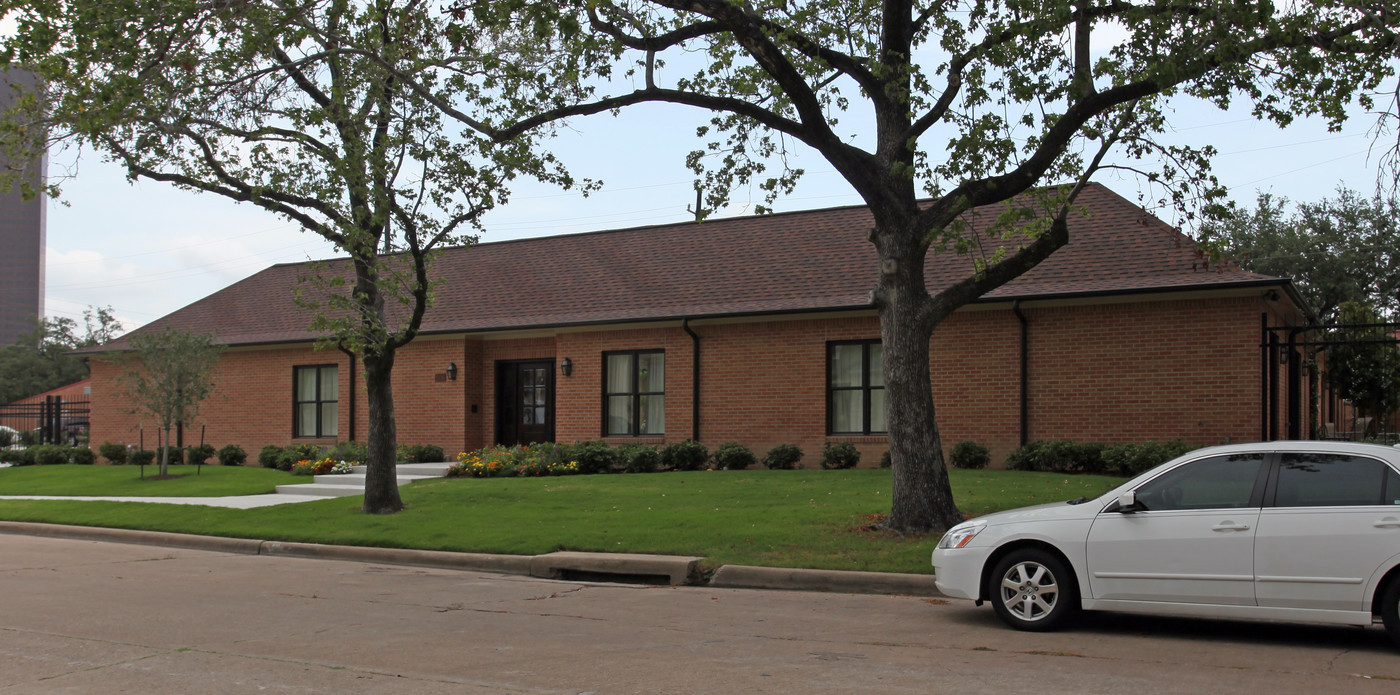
1109 372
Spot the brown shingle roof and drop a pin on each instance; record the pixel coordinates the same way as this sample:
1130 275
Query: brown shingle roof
792 262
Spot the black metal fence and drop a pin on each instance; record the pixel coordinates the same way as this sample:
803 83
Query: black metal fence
51 421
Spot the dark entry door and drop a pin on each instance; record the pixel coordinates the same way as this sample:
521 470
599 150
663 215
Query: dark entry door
524 402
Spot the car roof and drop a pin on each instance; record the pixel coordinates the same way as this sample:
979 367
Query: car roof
1320 446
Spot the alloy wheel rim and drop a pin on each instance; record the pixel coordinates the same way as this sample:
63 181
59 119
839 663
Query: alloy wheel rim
1029 591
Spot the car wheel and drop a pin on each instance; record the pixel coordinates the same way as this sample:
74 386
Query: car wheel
1032 590
1390 609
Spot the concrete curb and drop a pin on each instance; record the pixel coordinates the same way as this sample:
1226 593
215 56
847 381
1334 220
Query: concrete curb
746 577
438 559
572 566
242 546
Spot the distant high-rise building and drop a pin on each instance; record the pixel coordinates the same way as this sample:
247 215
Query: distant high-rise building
22 232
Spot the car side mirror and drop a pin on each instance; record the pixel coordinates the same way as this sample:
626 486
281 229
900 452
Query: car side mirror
1127 502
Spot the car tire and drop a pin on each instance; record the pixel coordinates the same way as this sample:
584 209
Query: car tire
1390 609
1032 590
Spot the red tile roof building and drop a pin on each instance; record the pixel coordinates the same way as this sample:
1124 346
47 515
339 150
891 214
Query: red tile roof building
1130 337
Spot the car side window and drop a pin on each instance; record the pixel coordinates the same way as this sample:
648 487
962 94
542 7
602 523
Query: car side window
1334 480
1218 482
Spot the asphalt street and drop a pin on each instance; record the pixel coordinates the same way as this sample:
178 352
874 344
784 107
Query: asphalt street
81 616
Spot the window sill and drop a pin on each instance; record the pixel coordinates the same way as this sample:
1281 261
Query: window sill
634 440
859 438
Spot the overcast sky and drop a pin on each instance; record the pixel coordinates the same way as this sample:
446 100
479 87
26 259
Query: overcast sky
147 249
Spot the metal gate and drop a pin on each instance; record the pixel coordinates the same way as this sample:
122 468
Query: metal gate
1285 351
53 420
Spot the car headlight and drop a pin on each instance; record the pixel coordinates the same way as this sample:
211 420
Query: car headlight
960 535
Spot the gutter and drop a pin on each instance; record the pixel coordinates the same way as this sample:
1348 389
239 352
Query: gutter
694 379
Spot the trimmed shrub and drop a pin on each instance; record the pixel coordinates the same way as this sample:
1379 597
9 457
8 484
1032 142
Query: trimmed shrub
1132 459
232 455
6 438
200 453
1059 456
422 453
140 457
17 457
886 461
595 457
82 456
270 456
28 438
970 455
177 455
733 456
114 453
783 457
639 458
688 455
839 455
50 455
354 452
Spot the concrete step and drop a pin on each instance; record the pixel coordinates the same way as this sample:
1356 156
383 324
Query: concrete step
320 490
432 470
346 484
358 479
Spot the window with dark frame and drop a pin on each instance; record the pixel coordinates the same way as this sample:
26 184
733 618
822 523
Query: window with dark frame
634 393
316 401
855 388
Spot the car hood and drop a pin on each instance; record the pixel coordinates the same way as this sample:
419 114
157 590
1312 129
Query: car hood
1053 510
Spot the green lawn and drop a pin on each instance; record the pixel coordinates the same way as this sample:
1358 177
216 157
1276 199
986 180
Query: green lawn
776 518
127 481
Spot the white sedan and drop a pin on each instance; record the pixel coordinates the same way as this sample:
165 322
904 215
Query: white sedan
1297 531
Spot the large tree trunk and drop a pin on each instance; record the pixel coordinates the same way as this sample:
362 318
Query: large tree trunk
922 499
381 476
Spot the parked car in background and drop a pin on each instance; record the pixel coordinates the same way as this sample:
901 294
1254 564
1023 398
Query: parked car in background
1298 531
74 429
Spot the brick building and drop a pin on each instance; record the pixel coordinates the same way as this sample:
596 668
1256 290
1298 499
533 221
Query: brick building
759 330
22 236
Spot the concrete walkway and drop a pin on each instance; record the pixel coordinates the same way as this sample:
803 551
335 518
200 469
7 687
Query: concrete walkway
238 502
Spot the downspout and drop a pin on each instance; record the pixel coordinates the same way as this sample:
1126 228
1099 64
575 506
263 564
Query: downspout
694 379
1025 375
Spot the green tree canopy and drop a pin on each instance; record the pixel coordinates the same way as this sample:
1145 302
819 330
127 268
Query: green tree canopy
167 375
296 107
965 104
1337 250
1362 365
43 360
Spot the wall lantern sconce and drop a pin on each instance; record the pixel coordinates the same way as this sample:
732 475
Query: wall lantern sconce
567 366
452 371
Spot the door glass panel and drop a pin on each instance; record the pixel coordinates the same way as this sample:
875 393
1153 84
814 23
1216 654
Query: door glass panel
1329 480
1219 482
1392 487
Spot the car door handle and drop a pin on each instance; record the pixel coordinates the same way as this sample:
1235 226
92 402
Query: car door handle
1387 522
1229 526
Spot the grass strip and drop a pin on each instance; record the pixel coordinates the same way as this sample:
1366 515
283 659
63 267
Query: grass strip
805 518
